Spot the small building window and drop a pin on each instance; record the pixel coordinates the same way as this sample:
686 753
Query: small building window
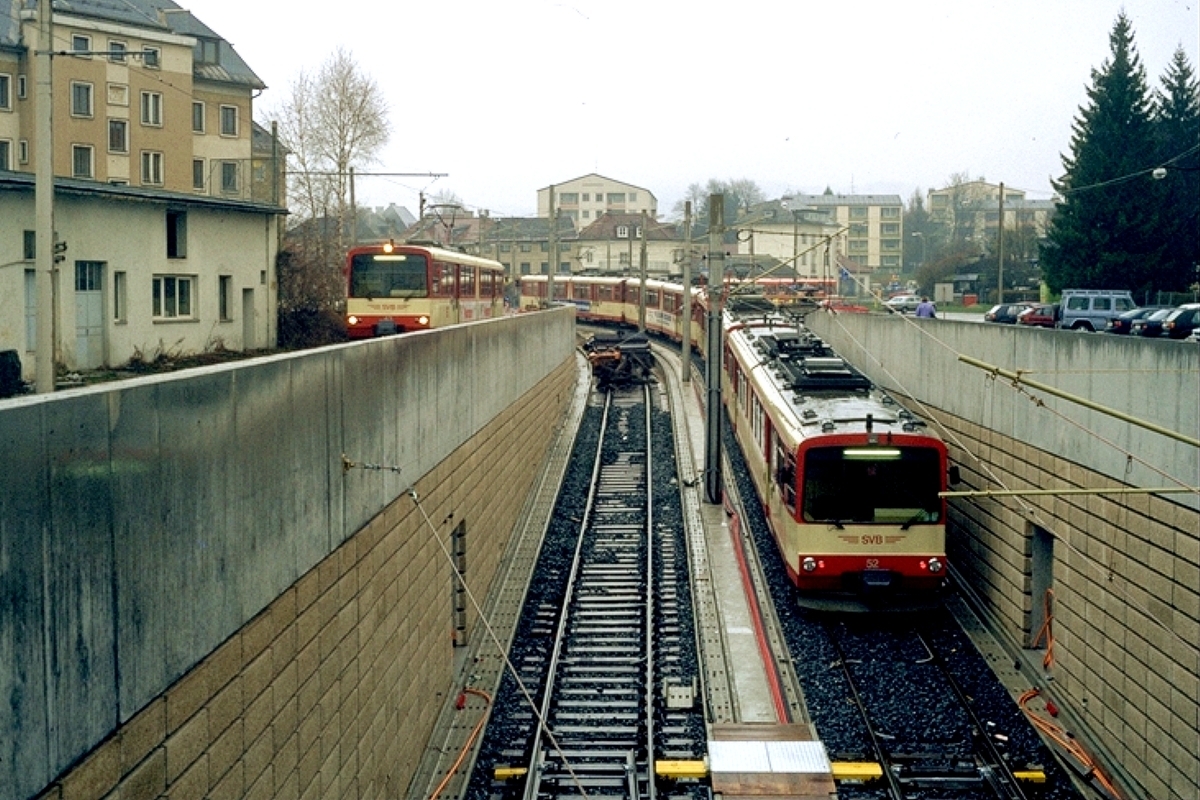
81 99
229 177
152 110
119 299
118 136
152 168
116 51
150 57
225 297
197 116
229 121
6 92
83 161
198 176
81 44
176 234
5 154
172 296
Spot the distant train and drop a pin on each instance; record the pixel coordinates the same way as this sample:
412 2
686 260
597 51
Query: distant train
395 288
849 480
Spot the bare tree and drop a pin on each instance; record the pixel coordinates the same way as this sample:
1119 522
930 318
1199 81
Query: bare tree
330 123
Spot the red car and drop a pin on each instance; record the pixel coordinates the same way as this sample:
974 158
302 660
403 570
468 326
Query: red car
1043 315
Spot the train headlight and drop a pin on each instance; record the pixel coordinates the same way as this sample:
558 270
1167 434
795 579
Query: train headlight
353 320
935 565
422 320
809 564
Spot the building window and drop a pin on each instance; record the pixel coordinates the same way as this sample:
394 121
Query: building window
586 214
616 197
198 175
81 44
176 234
526 247
6 92
152 108
587 198
890 212
116 51
119 290
633 197
23 151
172 296
858 212
197 117
207 51
225 297
568 198
229 121
229 177
152 168
118 136
5 153
524 267
622 232
889 229
81 99
150 57
889 244
82 161
21 87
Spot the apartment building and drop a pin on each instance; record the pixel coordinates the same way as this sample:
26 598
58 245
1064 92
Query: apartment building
873 224
805 239
612 245
971 211
585 199
167 199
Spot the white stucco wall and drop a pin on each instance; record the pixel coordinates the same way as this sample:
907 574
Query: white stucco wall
129 236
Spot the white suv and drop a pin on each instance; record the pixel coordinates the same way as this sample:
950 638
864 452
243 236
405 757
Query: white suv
902 303
1091 309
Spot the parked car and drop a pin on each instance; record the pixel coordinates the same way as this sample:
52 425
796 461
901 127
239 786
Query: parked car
1152 325
1181 322
1123 324
902 303
1006 313
1043 315
1091 309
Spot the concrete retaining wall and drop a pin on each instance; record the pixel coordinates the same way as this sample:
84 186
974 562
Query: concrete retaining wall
1125 570
185 560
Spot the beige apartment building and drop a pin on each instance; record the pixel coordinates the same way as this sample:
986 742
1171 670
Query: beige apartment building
873 226
585 199
167 200
972 210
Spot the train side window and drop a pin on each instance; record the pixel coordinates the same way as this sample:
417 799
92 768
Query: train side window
466 282
443 282
785 474
604 293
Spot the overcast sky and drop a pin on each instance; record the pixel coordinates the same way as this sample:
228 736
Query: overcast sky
867 97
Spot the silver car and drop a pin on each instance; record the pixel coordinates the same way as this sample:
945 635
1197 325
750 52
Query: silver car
902 303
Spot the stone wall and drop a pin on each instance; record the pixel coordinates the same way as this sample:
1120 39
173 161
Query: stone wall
333 689
1124 569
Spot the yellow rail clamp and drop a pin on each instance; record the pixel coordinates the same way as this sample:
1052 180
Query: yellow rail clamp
856 771
508 773
1030 775
681 770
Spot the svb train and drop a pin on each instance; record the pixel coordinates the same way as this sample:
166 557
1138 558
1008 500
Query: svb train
396 288
850 481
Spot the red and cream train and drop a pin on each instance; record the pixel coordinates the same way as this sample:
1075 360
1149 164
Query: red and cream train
849 480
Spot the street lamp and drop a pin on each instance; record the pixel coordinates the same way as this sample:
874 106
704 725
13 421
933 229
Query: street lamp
920 237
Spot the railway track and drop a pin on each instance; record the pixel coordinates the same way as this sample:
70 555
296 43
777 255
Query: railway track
606 653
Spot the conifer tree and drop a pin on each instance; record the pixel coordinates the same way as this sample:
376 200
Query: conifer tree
1177 125
1104 233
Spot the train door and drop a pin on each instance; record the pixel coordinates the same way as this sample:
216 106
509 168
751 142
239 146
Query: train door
468 301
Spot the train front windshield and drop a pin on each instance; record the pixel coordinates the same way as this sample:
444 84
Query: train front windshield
880 485
381 275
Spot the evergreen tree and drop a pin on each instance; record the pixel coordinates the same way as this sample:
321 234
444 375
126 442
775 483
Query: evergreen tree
1105 231
1177 125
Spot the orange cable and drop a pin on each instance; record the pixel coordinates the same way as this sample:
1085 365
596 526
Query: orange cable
1046 631
466 747
1068 743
